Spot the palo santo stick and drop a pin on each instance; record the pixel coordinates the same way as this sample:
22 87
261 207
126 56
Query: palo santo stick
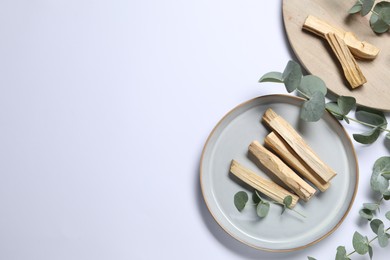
352 72
282 171
360 49
298 145
279 146
267 187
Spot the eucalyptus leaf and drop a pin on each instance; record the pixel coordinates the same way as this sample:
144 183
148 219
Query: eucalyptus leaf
341 253
371 206
262 209
388 135
367 6
386 195
366 214
382 237
378 182
384 14
367 137
272 77
371 117
387 215
313 109
311 84
360 243
287 201
386 175
311 258
374 224
379 26
255 197
333 108
370 251
346 104
356 8
292 76
240 200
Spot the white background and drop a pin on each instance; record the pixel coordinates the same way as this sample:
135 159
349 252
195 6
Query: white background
104 110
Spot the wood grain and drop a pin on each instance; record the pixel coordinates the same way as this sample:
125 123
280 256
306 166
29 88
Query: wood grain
298 144
266 187
282 171
281 148
316 56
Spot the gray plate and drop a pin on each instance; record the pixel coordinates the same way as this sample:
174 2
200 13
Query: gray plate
324 212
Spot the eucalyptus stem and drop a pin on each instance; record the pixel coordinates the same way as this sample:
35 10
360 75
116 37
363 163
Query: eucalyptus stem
349 118
360 122
369 242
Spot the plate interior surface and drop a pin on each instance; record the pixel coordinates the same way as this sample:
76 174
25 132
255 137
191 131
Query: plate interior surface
276 232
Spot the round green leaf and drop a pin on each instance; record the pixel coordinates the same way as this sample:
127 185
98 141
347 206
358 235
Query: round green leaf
341 253
366 214
379 26
313 109
333 108
378 182
367 137
292 76
387 215
346 104
311 84
367 6
272 77
287 201
262 209
382 237
240 200
371 117
359 243
374 224
371 206
256 197
356 8
384 14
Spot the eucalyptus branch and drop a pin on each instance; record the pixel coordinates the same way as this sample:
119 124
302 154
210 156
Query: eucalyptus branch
360 122
380 13
313 89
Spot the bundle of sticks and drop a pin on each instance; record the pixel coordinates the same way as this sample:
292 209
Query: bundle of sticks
288 157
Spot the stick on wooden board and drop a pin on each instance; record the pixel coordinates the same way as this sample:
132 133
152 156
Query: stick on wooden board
279 146
266 187
351 69
298 145
282 171
360 49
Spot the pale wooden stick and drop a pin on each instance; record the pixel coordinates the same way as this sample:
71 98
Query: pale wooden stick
352 72
266 187
360 49
282 171
298 145
279 146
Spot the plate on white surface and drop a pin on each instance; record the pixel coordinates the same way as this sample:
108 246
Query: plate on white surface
276 232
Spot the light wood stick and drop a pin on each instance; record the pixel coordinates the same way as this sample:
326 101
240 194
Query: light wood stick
360 49
298 145
282 171
266 187
281 148
352 72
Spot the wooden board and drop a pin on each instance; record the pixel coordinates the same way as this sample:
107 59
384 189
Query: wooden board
316 56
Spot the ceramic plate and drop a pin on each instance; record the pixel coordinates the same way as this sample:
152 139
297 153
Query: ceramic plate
314 53
276 232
